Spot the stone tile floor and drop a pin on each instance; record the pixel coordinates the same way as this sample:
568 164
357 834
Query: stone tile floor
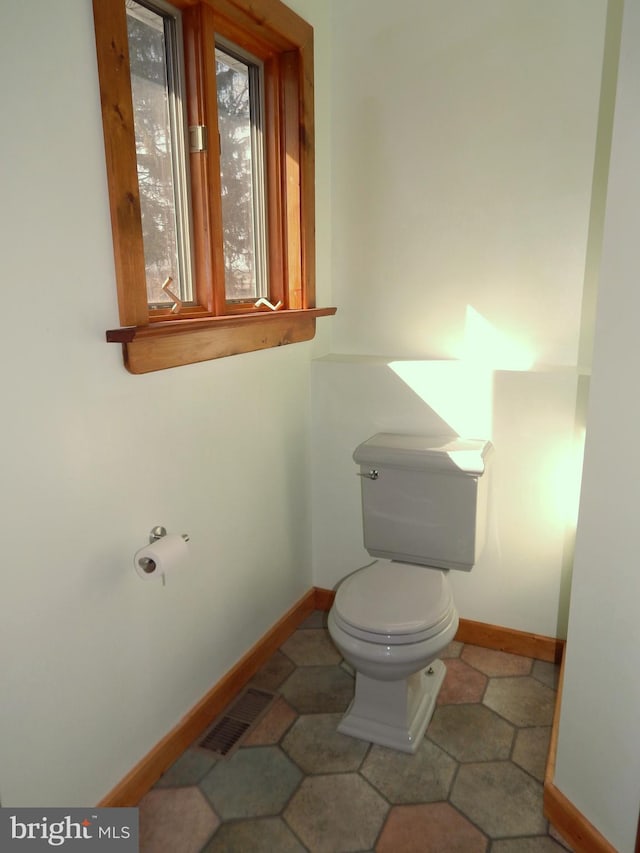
295 784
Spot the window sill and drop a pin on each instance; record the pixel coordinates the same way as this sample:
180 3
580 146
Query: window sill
173 343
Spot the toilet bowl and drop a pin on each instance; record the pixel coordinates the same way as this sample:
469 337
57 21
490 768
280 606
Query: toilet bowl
390 621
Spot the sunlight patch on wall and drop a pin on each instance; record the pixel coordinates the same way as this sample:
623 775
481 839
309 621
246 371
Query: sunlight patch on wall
564 477
461 391
485 345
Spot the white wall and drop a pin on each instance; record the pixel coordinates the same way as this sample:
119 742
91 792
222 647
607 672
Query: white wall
463 154
598 760
97 666
519 580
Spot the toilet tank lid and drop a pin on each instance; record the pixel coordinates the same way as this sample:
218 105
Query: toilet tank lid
425 452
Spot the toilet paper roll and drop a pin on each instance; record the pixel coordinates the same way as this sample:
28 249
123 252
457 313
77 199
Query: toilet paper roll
160 557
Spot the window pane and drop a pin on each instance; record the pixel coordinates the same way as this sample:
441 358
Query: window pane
152 84
238 87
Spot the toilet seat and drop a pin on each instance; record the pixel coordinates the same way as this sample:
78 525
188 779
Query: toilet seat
394 603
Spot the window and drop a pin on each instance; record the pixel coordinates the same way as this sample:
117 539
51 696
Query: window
208 124
239 85
158 97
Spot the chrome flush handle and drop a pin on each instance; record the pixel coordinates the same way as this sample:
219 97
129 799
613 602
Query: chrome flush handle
372 474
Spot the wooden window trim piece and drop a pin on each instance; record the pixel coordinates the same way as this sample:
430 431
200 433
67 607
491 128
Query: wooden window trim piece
112 53
152 339
161 345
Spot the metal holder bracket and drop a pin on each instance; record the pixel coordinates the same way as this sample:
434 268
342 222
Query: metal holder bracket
158 532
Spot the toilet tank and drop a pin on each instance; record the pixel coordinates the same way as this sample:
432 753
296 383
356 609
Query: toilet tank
424 498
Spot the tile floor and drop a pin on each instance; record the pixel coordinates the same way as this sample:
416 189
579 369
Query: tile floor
295 784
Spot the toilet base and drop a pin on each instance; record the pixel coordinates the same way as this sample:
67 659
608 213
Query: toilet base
394 713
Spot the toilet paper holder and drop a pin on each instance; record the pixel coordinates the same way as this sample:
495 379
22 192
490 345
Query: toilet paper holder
157 532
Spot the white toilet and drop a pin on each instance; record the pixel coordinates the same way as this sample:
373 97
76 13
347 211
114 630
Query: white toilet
424 502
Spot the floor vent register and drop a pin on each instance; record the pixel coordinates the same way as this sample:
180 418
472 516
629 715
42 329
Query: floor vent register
238 719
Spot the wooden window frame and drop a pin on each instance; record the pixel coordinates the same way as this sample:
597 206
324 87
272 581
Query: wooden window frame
155 339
